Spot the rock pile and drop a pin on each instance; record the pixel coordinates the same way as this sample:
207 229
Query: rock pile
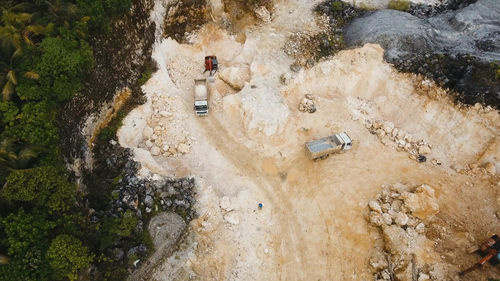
307 104
138 195
164 133
400 212
398 138
132 197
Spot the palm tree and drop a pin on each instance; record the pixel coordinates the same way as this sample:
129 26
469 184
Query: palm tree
4 259
16 31
13 157
61 10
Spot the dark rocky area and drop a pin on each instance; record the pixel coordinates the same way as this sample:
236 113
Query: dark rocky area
460 49
114 191
111 187
424 11
120 57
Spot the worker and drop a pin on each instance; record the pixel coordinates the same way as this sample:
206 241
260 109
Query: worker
211 64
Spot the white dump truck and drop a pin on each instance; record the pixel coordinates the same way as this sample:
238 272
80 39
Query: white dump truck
200 97
322 148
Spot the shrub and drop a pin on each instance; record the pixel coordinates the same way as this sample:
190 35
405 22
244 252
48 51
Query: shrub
67 256
400 5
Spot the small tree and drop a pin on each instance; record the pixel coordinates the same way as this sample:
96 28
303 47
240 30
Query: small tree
67 256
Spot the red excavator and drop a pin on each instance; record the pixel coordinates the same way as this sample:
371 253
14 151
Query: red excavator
211 64
490 249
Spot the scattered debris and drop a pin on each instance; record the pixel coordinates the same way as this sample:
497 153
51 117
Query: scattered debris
401 140
164 134
399 212
307 104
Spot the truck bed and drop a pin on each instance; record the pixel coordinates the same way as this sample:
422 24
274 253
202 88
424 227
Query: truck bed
327 145
200 89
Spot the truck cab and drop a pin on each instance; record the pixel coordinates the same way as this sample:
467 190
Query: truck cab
200 97
201 108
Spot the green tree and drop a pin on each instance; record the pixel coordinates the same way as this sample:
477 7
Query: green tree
27 242
8 113
101 12
63 65
42 187
67 256
34 125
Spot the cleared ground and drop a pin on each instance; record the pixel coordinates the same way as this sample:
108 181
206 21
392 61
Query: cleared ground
250 149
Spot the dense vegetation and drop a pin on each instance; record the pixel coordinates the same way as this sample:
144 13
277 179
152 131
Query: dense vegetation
45 57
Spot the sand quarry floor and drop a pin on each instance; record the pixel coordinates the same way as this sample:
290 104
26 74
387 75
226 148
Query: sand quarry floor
250 150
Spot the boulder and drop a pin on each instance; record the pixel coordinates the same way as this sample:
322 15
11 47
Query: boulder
376 124
378 261
422 203
375 206
226 204
149 143
388 127
183 148
424 149
387 218
401 219
263 14
155 151
232 218
423 277
490 168
148 201
235 76
420 228
147 132
376 219
396 239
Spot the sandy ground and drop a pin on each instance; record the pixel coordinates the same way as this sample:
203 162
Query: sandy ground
250 150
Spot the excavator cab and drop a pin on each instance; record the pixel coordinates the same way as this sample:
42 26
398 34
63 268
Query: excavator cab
211 64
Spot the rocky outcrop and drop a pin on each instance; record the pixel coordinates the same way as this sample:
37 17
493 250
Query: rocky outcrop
455 48
389 135
401 214
401 33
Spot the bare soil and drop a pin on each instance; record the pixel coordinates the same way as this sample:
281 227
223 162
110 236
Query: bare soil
250 150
